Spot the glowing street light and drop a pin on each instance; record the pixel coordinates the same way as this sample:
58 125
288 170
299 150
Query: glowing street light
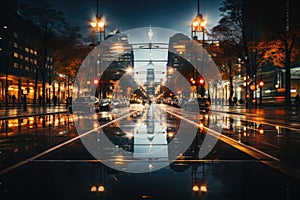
101 188
98 25
195 188
203 188
198 25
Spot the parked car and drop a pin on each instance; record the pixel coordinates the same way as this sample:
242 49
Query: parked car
91 103
200 104
204 104
105 105
116 103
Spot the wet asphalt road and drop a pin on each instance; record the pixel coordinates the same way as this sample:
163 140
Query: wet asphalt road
247 167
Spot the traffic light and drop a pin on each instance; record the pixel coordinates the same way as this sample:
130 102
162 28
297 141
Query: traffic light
201 81
96 81
201 88
261 84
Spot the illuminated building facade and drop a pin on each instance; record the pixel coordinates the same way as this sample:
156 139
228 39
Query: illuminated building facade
19 56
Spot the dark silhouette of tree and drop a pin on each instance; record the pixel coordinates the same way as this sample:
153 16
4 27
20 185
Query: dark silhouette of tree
52 24
283 46
261 35
231 50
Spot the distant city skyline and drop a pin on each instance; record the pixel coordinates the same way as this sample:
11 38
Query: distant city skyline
129 14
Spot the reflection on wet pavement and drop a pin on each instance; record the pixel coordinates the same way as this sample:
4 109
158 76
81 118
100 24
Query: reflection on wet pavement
21 138
73 173
279 141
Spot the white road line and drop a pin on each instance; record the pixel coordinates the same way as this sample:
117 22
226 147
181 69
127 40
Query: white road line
4 171
263 122
253 152
225 138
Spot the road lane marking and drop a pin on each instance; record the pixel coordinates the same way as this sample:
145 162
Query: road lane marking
263 122
253 152
225 138
6 170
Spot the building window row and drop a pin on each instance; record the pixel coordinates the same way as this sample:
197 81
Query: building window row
31 51
26 58
26 67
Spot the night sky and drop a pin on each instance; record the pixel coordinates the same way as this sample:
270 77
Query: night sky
128 14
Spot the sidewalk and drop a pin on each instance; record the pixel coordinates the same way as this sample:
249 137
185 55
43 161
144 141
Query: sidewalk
32 110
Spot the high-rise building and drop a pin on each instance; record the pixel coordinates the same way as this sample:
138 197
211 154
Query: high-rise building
19 56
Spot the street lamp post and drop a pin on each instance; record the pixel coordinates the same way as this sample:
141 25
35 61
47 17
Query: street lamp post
98 25
261 84
198 25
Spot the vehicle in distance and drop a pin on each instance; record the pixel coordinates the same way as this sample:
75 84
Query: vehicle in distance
201 103
91 103
105 105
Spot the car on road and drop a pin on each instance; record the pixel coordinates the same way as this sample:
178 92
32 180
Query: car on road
116 103
91 103
105 105
201 104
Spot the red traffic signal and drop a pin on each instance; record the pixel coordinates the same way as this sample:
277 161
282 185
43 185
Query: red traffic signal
261 83
201 81
96 81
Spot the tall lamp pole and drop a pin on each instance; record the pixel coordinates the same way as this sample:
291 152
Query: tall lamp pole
98 26
198 26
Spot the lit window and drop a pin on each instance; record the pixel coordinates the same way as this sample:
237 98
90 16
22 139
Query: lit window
21 57
31 60
35 62
35 53
26 49
27 68
16 55
31 51
16 65
16 45
27 58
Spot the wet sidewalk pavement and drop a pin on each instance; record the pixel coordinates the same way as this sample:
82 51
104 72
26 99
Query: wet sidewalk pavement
16 112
